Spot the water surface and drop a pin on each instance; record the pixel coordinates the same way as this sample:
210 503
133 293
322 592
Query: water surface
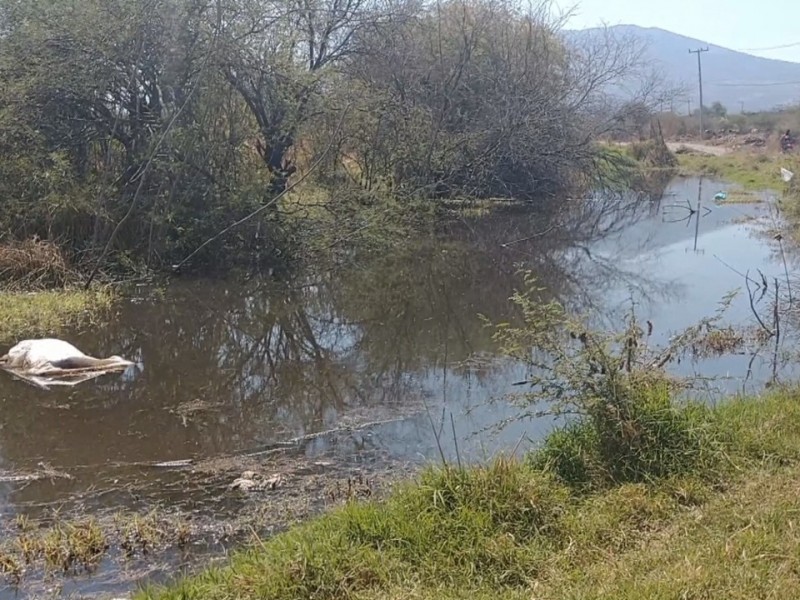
375 357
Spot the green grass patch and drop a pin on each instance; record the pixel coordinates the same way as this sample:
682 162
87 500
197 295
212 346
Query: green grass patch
790 203
751 170
720 523
49 312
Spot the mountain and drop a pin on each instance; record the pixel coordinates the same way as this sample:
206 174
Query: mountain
733 78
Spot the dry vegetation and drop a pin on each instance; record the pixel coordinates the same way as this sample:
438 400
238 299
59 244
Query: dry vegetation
33 264
40 293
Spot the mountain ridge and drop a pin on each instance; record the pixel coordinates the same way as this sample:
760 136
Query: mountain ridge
734 78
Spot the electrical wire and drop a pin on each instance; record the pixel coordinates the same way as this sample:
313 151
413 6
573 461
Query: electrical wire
760 84
781 47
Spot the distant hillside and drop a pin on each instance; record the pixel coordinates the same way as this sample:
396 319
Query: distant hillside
724 71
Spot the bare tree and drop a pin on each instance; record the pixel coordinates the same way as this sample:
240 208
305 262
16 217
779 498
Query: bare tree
277 57
480 98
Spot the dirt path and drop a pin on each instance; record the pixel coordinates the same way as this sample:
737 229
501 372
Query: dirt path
715 150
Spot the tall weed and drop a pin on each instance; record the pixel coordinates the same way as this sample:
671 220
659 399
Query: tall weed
623 425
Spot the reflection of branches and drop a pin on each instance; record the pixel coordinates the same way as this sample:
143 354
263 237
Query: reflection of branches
747 277
776 311
779 238
282 359
690 212
750 295
565 261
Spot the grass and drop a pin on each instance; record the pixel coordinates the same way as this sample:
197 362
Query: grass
40 292
720 525
48 312
638 166
740 544
79 546
791 206
751 170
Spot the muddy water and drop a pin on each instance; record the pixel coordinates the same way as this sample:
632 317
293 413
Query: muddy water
353 370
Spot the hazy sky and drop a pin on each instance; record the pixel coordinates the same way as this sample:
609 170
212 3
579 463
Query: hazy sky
736 24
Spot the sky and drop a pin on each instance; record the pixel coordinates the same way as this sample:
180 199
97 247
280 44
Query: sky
753 26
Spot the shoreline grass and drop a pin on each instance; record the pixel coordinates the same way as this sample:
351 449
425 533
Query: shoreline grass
753 171
79 546
719 526
48 312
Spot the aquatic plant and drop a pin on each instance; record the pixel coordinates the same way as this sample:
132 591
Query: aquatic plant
73 546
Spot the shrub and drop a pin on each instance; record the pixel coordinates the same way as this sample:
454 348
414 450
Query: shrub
652 153
637 436
625 427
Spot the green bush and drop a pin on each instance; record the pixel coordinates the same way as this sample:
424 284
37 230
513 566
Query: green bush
571 454
625 427
635 435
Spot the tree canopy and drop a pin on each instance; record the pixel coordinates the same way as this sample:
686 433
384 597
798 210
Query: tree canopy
134 131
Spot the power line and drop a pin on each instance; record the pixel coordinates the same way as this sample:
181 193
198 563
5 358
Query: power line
781 47
762 84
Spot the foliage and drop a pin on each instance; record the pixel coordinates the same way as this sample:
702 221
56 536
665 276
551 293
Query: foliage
482 100
115 130
652 153
625 427
644 438
130 133
718 110
573 367
507 529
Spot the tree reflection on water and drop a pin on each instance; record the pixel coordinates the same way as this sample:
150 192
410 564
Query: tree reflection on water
375 339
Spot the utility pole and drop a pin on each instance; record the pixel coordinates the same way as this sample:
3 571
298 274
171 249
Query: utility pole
742 103
700 80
